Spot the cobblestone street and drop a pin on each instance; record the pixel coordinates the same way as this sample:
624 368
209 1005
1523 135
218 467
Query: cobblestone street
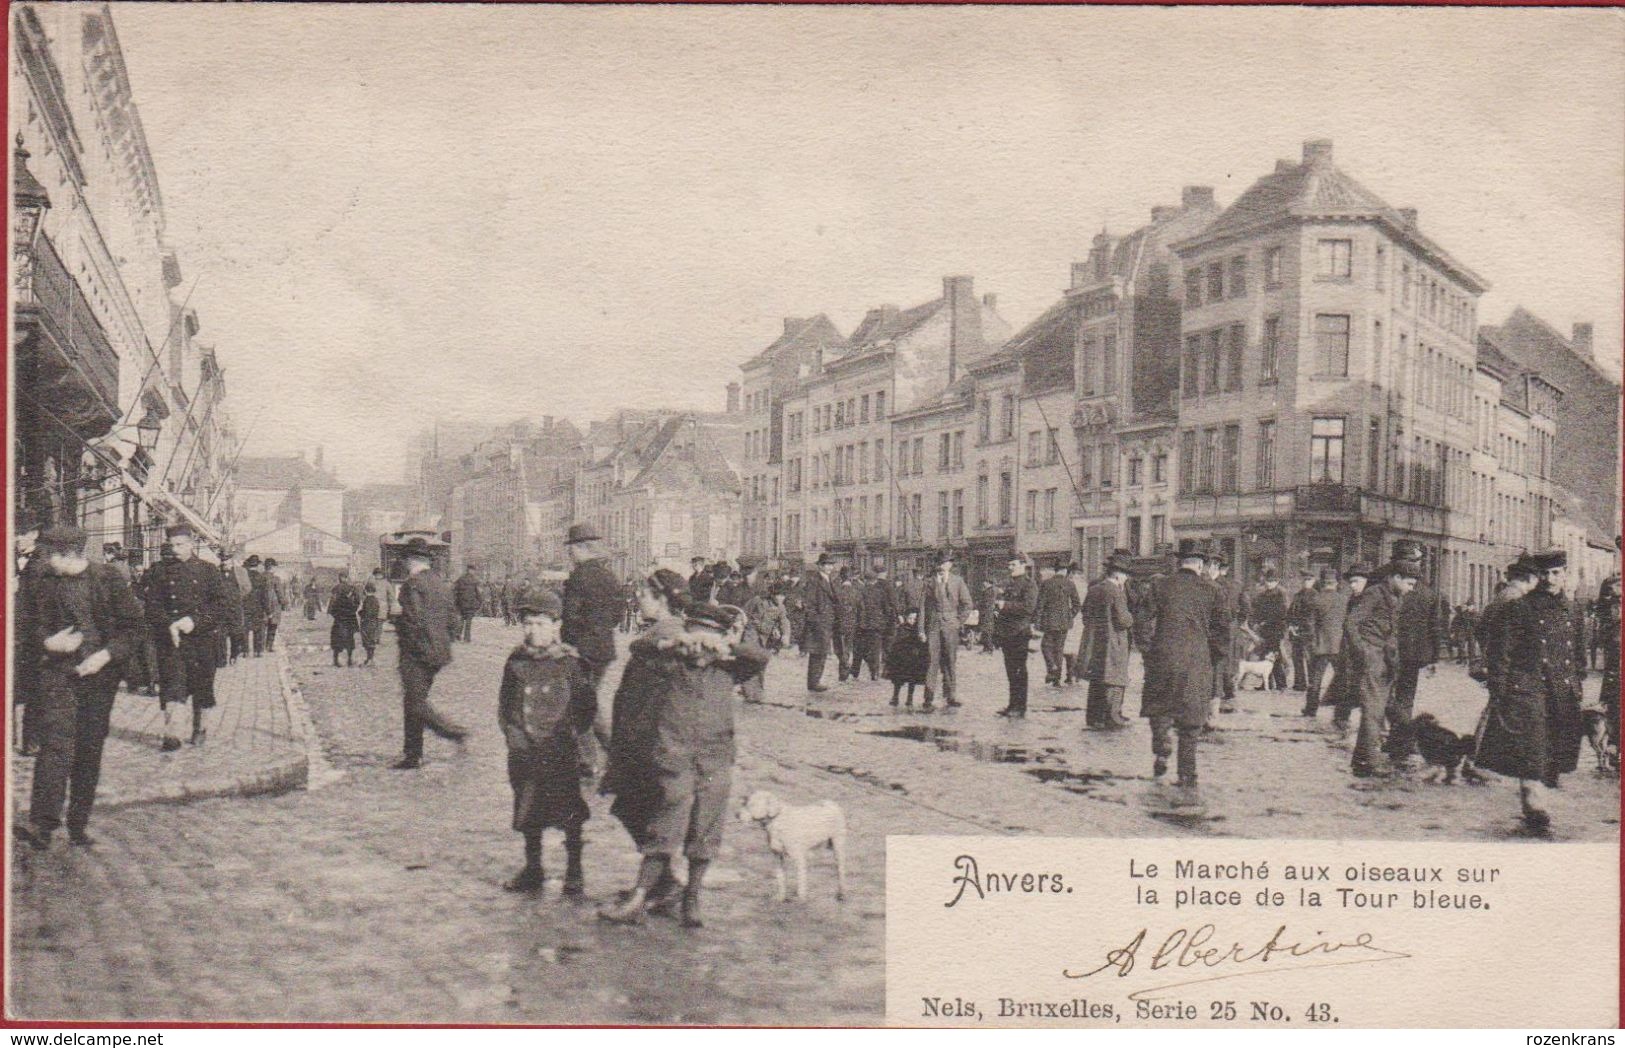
375 897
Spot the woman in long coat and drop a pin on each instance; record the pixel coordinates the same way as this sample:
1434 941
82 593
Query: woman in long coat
345 607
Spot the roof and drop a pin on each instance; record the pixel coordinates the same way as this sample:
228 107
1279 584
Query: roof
283 474
710 462
887 324
1318 189
1523 327
1045 348
803 331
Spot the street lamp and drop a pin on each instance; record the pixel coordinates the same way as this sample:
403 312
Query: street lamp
148 429
29 202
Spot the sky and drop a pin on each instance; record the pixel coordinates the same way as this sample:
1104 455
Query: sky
398 213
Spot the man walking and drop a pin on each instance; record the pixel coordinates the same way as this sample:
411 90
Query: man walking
848 602
1237 611
1103 651
1188 638
1057 606
469 600
1298 625
427 625
1322 636
944 604
77 623
874 612
276 602
1373 626
1535 725
884 603
257 607
1424 622
1010 629
818 627
187 601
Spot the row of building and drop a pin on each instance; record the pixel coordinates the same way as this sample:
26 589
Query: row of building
119 404
1295 380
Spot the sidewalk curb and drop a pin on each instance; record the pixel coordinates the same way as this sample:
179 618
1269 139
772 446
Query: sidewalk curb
319 773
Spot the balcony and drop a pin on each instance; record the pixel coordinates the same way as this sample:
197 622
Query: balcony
64 359
1325 498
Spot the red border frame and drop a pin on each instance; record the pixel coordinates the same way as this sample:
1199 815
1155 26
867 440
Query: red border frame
6 1022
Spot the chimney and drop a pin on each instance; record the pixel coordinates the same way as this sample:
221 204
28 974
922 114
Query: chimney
1409 215
1196 196
733 398
791 323
1163 213
964 323
1317 151
990 300
1582 339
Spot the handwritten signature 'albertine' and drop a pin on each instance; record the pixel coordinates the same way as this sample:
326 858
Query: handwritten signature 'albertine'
1187 948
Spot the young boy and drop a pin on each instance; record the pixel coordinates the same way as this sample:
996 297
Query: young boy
905 662
541 715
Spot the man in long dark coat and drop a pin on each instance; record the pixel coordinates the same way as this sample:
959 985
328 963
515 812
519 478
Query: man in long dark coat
1269 610
592 607
1344 696
1188 637
187 601
1011 627
1238 610
469 600
1298 625
1103 652
1489 635
818 605
77 623
874 612
1424 623
1322 636
1534 728
426 626
881 599
848 602
1373 627
1057 607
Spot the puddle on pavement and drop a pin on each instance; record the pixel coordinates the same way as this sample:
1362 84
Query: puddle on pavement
870 778
950 741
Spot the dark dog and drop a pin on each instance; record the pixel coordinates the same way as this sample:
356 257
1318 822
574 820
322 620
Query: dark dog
1441 748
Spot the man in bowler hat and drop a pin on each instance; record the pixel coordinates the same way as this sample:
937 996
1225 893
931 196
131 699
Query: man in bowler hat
426 627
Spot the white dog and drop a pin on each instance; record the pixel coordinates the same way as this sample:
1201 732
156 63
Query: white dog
1261 668
792 832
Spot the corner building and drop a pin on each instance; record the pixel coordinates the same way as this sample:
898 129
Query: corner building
1327 373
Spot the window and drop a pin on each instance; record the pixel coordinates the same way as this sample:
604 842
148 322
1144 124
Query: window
1210 454
1034 447
1049 509
1193 288
942 514
902 458
1215 282
1230 470
1326 451
1052 454
863 515
1380 270
959 449
1134 471
1272 267
1332 345
840 415
1159 468
863 409
984 420
1238 276
919 455
880 404
1086 465
981 501
1007 420
1086 368
1270 351
1264 476
944 450
1134 543
880 515
1211 361
1032 509
1233 353
852 411
1159 531
1334 259
917 511
1108 464
1006 493
1187 461
1373 454
863 463
959 511
1108 365
1192 368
